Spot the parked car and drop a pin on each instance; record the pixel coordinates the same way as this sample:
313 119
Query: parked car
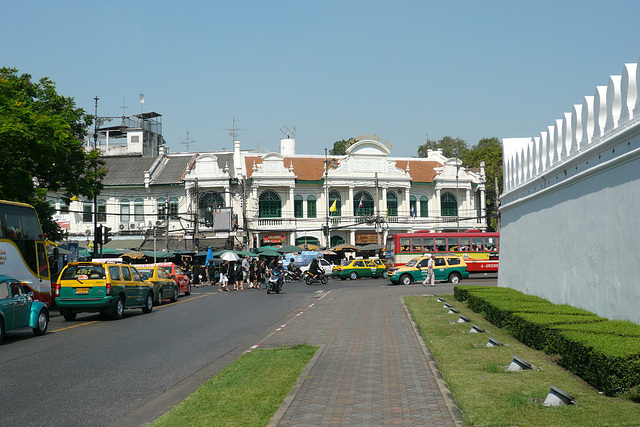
106 288
451 268
323 263
181 278
165 287
358 268
18 310
380 264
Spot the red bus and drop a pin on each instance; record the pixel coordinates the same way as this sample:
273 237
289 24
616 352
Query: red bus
479 249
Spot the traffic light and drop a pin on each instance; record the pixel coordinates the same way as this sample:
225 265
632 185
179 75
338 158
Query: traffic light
98 234
105 235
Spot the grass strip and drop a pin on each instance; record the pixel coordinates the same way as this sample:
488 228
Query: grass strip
489 395
246 393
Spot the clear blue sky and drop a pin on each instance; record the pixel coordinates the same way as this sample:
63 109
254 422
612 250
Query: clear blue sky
332 69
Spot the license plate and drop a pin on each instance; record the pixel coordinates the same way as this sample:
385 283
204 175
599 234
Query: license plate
82 290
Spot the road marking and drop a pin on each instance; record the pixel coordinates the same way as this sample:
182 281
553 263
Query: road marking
75 326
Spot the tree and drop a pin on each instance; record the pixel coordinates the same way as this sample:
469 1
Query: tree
340 147
489 150
451 147
41 134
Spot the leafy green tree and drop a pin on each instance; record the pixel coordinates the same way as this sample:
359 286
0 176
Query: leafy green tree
451 147
41 134
489 150
340 147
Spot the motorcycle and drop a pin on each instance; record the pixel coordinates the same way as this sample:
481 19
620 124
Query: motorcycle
292 275
310 279
274 284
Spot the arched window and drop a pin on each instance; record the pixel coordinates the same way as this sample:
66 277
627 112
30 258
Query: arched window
311 207
424 206
448 205
138 210
334 197
87 211
173 208
413 209
362 203
125 210
336 240
298 208
161 208
270 204
301 241
392 203
102 210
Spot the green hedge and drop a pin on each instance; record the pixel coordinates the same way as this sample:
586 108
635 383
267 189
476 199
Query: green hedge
605 353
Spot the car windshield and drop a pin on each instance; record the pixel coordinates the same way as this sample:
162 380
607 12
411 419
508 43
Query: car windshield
412 263
83 272
147 271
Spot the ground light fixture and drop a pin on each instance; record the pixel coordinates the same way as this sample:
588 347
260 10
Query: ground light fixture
476 330
447 305
494 343
453 311
518 364
463 319
557 397
439 299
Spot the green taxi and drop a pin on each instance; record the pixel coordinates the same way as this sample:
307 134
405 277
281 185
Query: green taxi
450 268
165 287
358 268
102 287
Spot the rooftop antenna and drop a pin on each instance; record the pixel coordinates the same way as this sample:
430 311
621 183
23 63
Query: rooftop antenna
124 107
141 101
288 132
188 140
233 131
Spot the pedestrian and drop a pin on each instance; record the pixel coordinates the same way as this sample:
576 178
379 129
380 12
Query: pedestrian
211 272
262 274
245 270
252 273
224 270
431 278
237 285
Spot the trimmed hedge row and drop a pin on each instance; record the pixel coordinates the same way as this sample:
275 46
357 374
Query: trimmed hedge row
605 353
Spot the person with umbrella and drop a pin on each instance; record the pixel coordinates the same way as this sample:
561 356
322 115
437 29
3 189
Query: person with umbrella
224 270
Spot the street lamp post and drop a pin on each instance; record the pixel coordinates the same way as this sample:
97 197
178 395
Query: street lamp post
95 196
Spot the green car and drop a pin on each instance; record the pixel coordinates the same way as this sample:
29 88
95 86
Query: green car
106 288
450 268
358 268
18 310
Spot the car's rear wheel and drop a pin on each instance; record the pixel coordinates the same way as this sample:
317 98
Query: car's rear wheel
174 297
148 303
353 275
118 310
454 278
1 329
159 298
68 315
405 279
188 292
43 323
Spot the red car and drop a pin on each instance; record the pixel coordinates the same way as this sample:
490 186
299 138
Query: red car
176 273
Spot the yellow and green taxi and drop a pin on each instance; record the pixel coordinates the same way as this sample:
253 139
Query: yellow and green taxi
450 268
357 268
102 287
165 287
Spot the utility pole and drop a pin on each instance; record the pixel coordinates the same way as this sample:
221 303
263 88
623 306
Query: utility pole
327 234
95 196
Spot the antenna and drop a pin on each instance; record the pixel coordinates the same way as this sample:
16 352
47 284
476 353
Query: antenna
124 107
188 141
233 131
288 132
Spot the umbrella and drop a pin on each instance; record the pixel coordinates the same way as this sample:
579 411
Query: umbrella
371 247
158 254
230 256
134 254
290 248
344 247
269 253
209 256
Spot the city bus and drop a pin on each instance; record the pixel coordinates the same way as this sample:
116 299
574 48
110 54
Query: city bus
23 251
479 249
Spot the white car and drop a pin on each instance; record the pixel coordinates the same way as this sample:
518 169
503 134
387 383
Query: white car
328 268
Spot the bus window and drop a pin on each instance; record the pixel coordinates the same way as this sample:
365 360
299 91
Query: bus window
477 243
441 245
465 243
427 243
416 244
453 244
491 243
43 264
404 245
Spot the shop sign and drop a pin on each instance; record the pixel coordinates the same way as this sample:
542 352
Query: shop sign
273 238
366 238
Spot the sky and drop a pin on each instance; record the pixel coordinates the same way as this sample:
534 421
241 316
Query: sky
402 70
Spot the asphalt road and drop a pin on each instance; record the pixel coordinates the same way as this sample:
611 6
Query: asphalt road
127 372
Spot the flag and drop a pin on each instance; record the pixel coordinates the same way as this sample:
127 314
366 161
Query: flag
387 215
142 98
413 211
334 206
360 205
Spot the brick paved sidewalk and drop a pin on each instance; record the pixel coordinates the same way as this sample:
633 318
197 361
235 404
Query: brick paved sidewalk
371 368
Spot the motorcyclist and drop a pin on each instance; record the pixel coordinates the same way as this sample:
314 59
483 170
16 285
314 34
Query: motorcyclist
293 268
314 269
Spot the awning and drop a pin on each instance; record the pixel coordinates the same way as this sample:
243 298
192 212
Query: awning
124 244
